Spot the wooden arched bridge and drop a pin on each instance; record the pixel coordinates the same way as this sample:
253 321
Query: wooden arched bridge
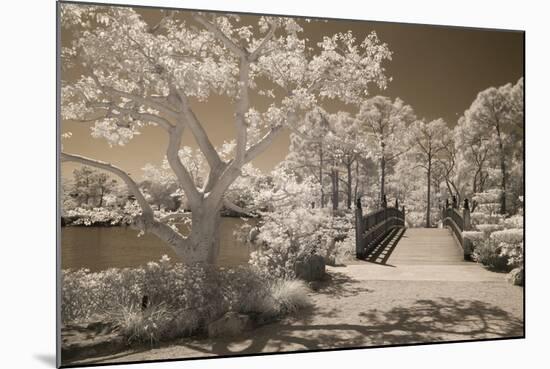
379 237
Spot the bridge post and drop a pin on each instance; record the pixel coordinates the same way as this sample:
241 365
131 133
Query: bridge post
467 245
466 216
359 252
403 215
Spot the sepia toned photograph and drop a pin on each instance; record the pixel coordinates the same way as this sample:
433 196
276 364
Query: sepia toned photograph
240 184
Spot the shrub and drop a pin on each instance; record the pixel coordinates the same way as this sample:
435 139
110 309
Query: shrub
509 236
510 243
289 296
490 196
490 254
142 326
155 323
479 217
475 237
515 221
487 229
283 238
182 299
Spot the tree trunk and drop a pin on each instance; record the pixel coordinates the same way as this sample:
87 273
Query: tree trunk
356 181
503 172
429 193
335 180
202 245
321 175
474 185
101 197
205 233
348 167
382 178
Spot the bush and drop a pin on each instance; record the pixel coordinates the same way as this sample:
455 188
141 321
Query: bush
490 254
510 242
515 221
182 299
289 296
475 237
487 229
284 238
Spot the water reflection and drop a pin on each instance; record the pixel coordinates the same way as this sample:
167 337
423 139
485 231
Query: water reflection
99 248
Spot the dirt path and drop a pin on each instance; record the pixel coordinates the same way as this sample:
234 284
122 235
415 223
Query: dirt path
409 299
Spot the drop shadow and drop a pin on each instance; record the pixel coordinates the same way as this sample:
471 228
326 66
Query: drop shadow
48 359
104 359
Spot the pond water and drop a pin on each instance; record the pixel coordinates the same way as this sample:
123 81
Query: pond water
99 248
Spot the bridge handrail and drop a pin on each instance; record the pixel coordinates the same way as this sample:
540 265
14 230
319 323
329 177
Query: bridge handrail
374 226
458 223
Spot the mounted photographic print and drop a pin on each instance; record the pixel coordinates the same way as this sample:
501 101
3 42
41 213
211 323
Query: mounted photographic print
242 184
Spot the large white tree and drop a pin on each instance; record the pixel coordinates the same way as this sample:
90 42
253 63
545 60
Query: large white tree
137 74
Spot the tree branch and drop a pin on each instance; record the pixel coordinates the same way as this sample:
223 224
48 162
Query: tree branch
199 133
140 99
236 208
256 53
164 123
242 107
172 155
221 36
262 145
175 216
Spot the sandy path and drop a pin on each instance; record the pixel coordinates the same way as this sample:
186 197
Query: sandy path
407 300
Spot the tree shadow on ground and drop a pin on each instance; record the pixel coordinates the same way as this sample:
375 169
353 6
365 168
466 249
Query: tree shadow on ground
340 285
436 320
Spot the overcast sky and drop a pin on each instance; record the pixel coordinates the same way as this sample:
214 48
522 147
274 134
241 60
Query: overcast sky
437 70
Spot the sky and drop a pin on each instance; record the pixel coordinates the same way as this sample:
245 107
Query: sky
437 70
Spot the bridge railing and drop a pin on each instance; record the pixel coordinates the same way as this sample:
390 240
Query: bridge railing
458 222
373 227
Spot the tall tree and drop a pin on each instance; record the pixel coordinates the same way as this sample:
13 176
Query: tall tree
473 154
491 112
137 74
385 121
428 140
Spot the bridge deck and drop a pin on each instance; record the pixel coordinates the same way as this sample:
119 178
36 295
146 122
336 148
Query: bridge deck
429 254
426 246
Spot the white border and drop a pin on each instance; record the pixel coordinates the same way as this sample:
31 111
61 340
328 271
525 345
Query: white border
27 302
